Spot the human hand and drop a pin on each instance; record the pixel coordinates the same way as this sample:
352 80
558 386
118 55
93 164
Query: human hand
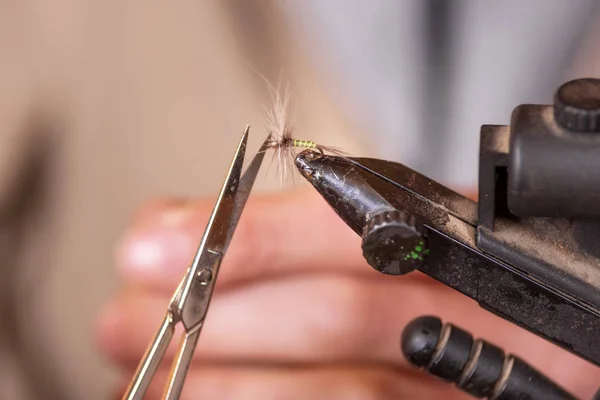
297 313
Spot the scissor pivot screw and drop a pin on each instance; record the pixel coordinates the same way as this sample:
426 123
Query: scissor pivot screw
204 276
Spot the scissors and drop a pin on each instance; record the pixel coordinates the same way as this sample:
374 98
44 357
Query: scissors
189 304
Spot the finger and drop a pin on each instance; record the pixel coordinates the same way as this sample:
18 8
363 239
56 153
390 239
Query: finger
296 232
318 383
327 319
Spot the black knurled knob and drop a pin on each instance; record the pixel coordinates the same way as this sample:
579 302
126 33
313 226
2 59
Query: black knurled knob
393 242
577 105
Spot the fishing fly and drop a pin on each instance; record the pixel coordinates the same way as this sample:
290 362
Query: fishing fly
280 124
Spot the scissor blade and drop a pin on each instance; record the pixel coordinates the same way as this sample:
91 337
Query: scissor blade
244 189
193 301
217 228
230 205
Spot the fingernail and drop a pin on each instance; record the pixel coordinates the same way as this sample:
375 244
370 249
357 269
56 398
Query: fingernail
175 217
158 251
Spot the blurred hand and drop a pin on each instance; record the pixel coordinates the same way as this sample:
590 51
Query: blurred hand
297 313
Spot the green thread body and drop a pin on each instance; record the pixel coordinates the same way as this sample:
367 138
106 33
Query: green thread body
305 144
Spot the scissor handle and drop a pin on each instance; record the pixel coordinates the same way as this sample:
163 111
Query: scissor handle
152 358
181 364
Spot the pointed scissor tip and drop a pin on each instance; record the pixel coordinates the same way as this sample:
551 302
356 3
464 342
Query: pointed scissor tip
244 139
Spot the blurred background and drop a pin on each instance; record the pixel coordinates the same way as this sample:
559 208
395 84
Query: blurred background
107 104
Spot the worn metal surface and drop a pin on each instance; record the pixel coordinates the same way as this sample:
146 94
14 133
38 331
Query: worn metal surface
507 290
562 252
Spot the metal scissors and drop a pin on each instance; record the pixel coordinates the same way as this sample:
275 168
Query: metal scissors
189 304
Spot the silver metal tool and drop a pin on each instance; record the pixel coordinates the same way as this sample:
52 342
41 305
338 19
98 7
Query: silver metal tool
191 300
